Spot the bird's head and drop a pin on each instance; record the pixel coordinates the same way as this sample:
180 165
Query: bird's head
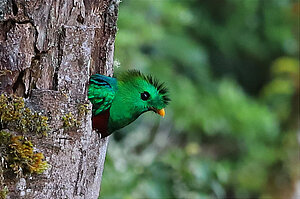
144 93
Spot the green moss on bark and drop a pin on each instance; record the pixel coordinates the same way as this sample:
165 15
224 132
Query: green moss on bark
3 192
70 122
83 109
14 115
3 187
18 153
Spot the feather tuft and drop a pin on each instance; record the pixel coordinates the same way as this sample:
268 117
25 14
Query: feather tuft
161 88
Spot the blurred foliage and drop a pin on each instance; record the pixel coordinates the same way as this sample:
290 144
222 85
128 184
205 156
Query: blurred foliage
230 130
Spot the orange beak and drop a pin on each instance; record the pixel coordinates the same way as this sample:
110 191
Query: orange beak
161 112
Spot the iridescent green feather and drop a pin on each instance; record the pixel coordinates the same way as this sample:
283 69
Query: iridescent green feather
101 92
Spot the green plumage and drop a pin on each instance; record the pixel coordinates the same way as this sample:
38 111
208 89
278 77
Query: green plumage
124 99
101 93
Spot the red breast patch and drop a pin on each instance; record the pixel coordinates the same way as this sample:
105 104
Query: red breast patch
100 123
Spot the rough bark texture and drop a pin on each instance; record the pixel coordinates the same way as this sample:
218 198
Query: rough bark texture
48 50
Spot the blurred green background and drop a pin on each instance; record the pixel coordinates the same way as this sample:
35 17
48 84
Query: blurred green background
230 130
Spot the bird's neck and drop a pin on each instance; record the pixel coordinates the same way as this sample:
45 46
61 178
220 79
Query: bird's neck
121 114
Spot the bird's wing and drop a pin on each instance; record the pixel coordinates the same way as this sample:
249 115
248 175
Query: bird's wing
102 90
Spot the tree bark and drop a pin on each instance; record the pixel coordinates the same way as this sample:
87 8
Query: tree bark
48 50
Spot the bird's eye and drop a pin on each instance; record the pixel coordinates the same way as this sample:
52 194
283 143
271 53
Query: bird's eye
145 95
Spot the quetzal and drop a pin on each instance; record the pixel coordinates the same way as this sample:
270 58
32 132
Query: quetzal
118 102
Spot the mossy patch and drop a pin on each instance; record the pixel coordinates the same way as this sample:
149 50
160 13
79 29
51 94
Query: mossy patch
23 158
70 122
3 192
3 188
14 115
18 153
83 109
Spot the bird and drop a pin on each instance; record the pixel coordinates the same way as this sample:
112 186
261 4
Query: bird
116 102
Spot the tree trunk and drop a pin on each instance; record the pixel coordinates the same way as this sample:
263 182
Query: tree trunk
48 50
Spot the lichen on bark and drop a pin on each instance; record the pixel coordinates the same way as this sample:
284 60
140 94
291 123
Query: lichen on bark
17 153
14 115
